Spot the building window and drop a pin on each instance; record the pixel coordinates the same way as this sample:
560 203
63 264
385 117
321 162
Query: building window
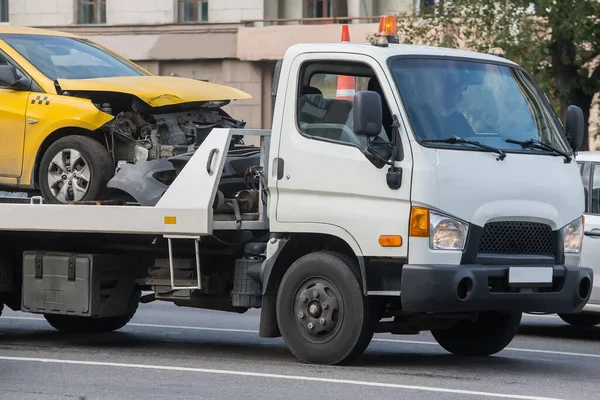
425 7
317 8
192 10
3 10
91 11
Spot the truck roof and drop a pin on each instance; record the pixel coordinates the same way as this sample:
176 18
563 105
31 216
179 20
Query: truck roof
382 53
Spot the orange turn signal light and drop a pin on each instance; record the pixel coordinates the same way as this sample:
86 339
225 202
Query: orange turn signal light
390 241
419 222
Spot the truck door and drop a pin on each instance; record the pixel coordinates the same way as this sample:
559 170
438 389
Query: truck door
326 184
13 104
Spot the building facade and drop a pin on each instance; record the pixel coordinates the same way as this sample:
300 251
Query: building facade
150 12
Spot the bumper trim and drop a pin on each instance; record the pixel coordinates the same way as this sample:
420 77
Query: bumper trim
467 288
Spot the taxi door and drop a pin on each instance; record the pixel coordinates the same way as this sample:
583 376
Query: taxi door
13 105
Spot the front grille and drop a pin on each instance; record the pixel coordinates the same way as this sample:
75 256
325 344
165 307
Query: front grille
514 237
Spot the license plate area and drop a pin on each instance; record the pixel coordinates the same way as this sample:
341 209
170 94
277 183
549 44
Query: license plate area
530 276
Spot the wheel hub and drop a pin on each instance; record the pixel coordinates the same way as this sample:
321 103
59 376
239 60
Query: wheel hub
317 308
69 176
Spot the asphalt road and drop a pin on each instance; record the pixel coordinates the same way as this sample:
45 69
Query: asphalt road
168 352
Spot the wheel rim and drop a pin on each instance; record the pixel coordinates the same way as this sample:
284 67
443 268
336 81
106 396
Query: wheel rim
68 176
318 310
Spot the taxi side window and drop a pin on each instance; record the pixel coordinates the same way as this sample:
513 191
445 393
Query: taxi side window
325 101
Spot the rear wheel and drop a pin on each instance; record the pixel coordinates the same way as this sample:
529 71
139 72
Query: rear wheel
581 319
75 168
77 324
322 313
489 334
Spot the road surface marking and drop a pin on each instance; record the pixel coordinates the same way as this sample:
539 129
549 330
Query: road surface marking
401 341
276 376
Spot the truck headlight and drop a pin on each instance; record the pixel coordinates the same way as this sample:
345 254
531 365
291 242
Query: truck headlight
573 236
446 233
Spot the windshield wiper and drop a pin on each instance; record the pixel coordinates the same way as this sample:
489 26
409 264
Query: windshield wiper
456 139
536 144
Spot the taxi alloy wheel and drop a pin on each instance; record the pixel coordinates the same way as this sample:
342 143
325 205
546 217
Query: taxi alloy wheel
75 168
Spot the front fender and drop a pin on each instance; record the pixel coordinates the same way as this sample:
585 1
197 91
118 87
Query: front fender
48 113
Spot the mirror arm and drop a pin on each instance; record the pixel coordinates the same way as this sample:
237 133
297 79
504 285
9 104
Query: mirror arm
375 158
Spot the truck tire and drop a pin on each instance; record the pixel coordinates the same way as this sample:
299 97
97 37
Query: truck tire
62 180
77 324
489 334
581 319
322 313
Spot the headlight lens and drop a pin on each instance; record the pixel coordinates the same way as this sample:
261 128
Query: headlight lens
573 236
446 233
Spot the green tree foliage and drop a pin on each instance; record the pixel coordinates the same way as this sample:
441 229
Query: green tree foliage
557 41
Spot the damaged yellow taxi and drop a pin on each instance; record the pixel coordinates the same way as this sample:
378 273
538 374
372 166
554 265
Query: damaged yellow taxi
72 111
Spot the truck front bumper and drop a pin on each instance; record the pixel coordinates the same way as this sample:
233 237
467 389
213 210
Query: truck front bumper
466 288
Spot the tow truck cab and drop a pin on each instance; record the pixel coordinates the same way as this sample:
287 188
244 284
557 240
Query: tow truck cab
463 197
442 195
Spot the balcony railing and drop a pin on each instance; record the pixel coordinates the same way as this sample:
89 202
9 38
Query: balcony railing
309 21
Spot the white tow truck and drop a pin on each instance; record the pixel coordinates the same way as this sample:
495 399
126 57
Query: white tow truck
442 196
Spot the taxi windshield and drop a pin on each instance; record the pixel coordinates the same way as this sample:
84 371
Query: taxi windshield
477 101
70 58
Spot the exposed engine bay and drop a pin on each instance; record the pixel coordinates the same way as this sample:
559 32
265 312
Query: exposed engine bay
151 146
142 134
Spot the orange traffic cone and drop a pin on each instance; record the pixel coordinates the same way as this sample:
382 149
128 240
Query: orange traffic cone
345 84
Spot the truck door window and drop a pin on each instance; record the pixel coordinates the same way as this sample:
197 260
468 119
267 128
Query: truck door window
326 113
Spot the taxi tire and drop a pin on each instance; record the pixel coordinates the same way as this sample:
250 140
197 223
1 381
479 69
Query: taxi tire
95 154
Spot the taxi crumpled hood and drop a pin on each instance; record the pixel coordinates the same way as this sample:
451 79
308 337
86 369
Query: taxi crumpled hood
157 91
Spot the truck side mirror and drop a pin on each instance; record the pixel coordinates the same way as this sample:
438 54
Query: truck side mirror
368 121
9 76
575 127
367 115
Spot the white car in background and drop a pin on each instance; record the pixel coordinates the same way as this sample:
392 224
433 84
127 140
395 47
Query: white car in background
589 167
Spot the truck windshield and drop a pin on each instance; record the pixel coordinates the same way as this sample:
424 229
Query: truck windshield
70 58
483 102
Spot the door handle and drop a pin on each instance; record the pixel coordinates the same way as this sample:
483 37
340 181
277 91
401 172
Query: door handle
594 233
210 159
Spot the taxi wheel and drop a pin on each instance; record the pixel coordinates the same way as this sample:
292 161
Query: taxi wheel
75 168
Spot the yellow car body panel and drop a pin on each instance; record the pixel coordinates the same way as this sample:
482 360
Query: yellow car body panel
47 113
28 118
157 91
12 133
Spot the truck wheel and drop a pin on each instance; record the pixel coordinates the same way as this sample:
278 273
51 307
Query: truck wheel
75 168
489 334
321 311
76 324
581 319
